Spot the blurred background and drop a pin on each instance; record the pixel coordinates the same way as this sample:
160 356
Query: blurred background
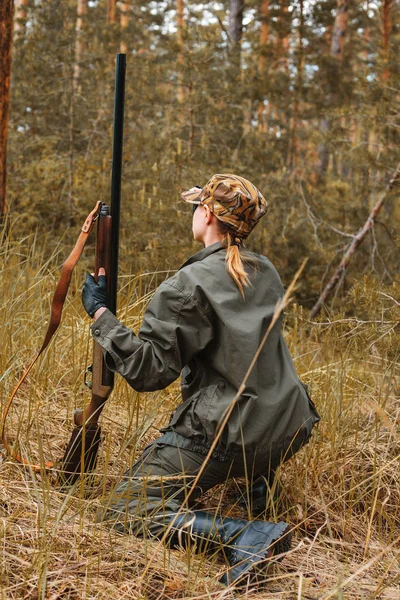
302 98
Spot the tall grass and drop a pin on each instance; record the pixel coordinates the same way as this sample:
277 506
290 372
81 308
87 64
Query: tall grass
341 493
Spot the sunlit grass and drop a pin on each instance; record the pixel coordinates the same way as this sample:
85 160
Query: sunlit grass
341 493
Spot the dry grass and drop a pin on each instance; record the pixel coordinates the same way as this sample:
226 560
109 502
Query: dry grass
341 493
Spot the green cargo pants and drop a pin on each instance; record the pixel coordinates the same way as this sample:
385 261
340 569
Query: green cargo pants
157 486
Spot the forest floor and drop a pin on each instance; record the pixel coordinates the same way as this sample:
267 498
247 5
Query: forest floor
340 494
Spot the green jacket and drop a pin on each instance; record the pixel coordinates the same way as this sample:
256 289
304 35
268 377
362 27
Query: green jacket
198 325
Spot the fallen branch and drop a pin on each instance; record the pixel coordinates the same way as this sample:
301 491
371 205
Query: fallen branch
358 238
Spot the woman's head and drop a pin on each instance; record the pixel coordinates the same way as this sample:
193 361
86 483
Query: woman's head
234 201
227 208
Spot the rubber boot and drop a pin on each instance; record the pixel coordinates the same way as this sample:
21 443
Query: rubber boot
261 501
248 551
245 544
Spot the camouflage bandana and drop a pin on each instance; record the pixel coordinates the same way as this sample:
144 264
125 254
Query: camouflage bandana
233 200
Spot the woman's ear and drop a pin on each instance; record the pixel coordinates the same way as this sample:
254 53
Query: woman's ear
209 215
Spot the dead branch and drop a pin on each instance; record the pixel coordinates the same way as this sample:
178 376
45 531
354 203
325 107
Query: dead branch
358 238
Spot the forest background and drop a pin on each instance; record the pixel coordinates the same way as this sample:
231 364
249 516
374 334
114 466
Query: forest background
302 98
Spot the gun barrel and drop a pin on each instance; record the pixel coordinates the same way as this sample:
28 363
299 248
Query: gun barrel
85 440
120 69
108 234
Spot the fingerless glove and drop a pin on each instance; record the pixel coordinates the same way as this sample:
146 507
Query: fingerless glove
94 295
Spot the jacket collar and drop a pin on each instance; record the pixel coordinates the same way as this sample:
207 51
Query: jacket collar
203 254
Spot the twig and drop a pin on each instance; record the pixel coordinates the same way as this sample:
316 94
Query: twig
222 26
391 297
315 222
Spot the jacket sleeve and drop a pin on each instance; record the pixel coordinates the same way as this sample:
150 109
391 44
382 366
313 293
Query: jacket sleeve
174 330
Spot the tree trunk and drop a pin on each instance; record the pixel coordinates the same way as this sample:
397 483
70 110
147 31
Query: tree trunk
181 60
124 21
235 31
81 12
264 33
357 239
293 155
339 29
336 51
386 30
235 20
367 131
6 33
323 150
282 40
111 11
262 61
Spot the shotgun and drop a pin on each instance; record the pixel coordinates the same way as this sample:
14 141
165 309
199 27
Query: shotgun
81 452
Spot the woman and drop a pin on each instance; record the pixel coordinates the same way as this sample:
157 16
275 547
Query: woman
206 323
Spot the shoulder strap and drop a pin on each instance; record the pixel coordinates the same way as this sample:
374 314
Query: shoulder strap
55 318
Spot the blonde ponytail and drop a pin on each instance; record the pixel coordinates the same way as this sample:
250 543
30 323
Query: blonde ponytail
233 259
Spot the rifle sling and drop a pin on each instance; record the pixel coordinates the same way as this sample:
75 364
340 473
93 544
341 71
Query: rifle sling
55 318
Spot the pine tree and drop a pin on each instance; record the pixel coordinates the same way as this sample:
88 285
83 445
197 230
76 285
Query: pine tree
258 116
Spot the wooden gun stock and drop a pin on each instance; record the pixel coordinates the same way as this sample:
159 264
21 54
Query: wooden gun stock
102 378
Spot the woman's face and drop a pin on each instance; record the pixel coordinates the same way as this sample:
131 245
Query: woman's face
199 223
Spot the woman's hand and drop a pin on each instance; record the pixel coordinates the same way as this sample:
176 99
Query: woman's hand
94 295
